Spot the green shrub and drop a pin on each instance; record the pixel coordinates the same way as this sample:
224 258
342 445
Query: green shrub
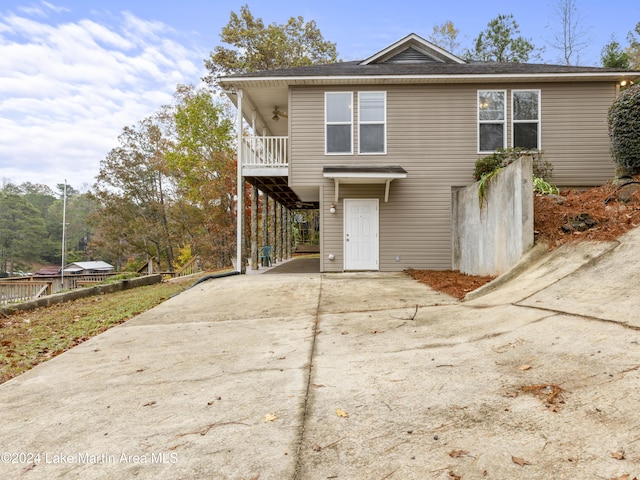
503 157
484 182
488 167
121 276
540 185
624 131
489 164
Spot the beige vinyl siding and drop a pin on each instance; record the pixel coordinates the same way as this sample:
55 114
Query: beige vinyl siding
575 135
432 133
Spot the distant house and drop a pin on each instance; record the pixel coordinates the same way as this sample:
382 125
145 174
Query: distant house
48 271
84 268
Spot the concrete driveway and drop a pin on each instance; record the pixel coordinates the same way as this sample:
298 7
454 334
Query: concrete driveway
350 376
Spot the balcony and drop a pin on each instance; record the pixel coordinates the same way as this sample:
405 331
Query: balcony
265 156
265 165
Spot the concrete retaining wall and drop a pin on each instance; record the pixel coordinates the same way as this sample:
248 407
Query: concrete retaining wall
81 293
489 240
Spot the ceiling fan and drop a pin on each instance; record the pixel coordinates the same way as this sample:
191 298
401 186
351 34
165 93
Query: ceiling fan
277 113
305 205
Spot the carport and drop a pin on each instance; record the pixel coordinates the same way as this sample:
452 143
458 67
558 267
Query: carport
298 265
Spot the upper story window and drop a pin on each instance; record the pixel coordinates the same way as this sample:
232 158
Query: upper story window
526 119
492 114
338 111
372 125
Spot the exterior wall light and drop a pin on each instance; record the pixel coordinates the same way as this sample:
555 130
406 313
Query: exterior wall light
332 208
332 257
623 83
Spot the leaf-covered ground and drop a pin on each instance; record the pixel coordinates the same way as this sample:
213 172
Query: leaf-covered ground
29 338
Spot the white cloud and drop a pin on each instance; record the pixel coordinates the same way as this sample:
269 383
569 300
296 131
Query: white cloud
67 89
41 11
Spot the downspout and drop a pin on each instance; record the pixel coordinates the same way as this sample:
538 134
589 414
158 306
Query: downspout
240 191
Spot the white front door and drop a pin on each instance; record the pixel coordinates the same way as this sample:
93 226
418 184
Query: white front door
361 234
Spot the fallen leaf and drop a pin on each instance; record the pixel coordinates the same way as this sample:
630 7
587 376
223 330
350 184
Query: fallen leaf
269 417
524 367
458 453
453 476
341 413
316 447
618 455
520 461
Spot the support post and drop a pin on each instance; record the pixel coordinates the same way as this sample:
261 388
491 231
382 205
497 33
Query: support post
287 233
265 220
254 228
279 231
240 267
272 228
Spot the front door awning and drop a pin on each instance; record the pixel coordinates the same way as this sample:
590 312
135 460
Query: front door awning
364 175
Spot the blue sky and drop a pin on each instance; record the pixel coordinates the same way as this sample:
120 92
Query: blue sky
73 73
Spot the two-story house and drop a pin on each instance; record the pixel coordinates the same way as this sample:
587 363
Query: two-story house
378 145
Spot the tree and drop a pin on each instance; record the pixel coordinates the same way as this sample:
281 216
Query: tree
132 190
624 128
571 38
202 161
499 42
258 47
445 36
634 47
22 231
80 207
613 56
38 195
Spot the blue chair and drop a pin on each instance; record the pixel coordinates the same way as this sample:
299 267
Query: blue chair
265 255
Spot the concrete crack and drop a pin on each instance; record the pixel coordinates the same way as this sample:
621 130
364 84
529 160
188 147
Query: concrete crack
312 350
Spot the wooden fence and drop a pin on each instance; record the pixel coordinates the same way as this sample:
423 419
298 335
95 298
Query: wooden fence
20 289
189 268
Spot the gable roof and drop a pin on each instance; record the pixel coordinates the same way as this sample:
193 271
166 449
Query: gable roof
413 59
95 265
420 50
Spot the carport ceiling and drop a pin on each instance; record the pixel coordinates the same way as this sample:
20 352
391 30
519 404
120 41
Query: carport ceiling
278 188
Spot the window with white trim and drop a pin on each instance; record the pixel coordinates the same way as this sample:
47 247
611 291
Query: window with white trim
526 118
372 125
492 114
338 111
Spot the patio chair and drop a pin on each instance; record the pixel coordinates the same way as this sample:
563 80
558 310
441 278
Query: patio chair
265 255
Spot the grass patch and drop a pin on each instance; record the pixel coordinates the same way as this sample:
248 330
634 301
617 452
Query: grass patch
30 338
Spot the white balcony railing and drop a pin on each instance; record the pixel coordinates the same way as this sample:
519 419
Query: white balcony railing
265 152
